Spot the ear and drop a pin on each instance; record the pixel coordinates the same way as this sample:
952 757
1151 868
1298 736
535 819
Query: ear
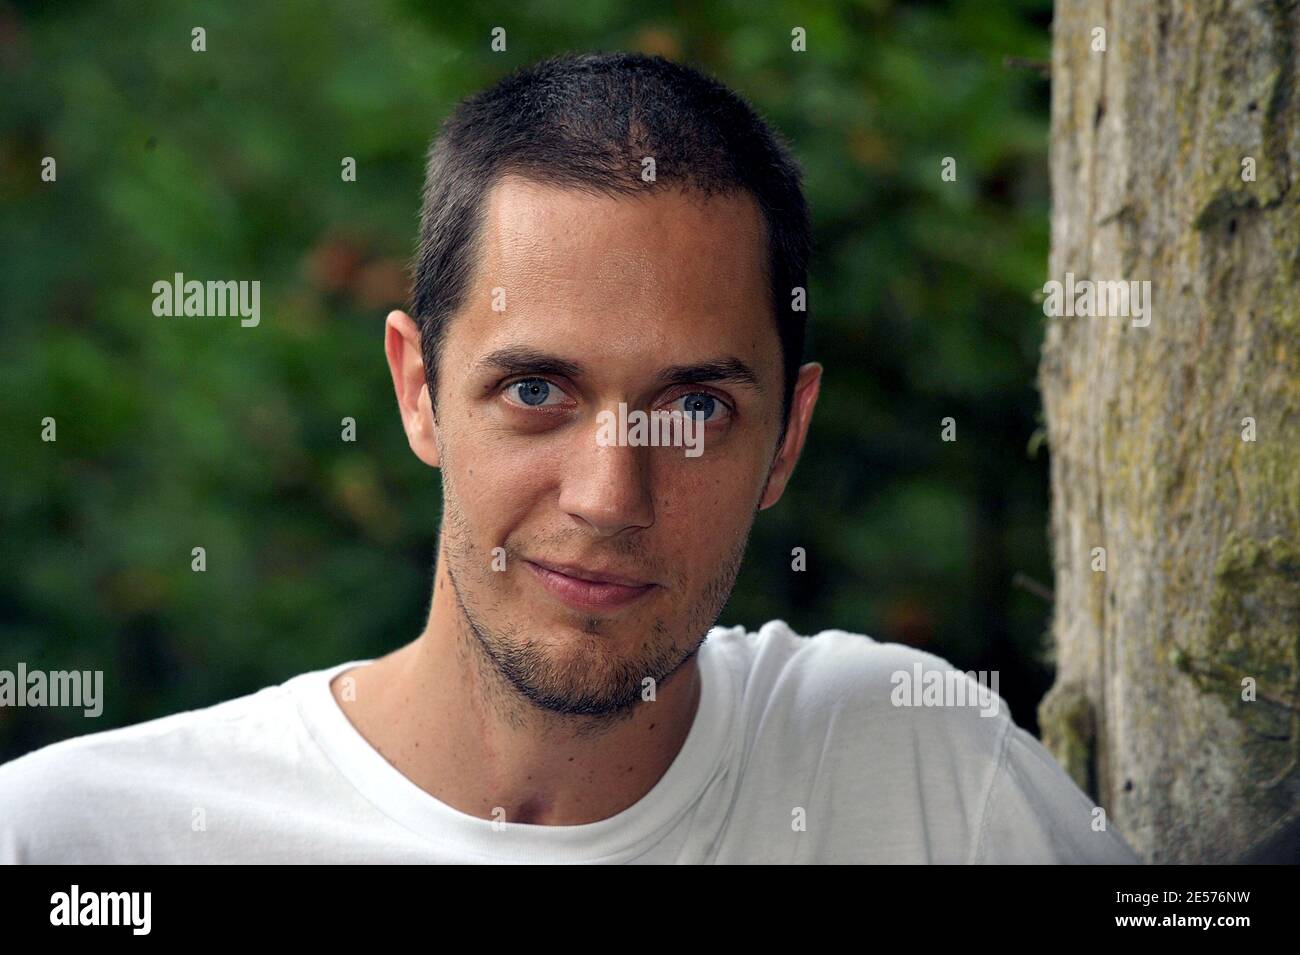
406 363
802 402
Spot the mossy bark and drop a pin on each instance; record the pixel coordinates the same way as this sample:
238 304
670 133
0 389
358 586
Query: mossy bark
1149 444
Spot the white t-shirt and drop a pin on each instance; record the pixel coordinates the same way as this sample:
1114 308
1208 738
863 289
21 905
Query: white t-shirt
798 753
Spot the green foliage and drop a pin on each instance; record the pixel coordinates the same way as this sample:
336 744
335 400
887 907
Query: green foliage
175 433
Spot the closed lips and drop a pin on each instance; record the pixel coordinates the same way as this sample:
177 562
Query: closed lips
593 576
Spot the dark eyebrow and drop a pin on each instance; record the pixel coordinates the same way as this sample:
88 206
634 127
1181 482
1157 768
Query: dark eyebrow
722 370
521 360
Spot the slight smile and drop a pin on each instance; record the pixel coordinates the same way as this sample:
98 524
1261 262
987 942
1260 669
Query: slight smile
583 594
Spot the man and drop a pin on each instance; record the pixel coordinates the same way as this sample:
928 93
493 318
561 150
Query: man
600 233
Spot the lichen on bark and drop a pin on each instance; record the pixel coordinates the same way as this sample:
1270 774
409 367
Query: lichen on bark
1150 455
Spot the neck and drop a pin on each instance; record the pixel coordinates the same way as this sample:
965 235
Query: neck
439 711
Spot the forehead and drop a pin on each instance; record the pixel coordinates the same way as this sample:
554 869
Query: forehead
667 252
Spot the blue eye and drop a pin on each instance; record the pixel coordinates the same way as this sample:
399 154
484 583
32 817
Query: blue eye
699 405
532 391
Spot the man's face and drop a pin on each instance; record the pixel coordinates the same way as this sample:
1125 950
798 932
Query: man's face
604 298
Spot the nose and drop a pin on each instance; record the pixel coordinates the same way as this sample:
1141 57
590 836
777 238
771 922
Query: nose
608 487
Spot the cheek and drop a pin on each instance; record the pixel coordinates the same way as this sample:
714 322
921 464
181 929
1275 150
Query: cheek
702 509
502 480
497 482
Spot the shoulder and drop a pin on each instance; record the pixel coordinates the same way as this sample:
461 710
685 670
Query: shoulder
62 801
914 759
890 691
1035 812
129 747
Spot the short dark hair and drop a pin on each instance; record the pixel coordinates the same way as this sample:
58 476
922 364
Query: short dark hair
586 121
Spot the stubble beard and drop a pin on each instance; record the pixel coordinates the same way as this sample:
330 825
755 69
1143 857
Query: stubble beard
588 685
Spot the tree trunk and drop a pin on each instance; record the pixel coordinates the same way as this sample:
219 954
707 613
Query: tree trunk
1173 155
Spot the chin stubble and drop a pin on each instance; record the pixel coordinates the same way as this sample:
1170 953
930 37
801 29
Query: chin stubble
521 679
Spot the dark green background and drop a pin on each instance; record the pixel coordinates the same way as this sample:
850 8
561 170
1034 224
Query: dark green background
226 164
